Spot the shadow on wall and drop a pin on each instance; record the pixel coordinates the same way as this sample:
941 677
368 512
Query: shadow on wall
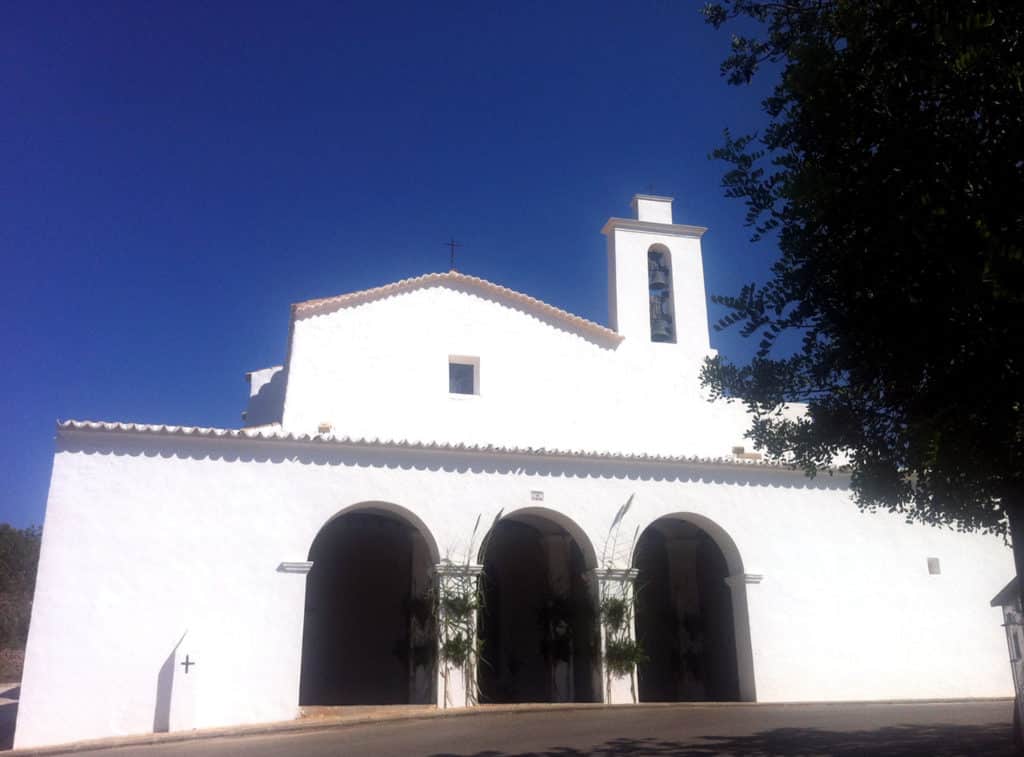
993 740
267 405
164 685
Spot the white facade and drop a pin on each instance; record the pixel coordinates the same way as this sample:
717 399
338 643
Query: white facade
162 542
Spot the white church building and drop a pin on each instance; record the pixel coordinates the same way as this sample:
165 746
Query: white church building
454 493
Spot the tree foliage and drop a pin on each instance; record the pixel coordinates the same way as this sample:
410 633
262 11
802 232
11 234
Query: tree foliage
19 555
891 177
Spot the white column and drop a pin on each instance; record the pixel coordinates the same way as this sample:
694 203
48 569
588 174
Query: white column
293 606
456 684
557 551
742 613
617 583
682 571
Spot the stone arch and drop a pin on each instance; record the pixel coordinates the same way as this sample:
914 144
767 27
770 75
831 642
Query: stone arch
563 521
368 632
721 537
538 622
692 609
389 509
662 249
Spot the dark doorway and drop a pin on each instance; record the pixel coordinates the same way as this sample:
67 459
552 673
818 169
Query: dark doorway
360 635
538 623
684 617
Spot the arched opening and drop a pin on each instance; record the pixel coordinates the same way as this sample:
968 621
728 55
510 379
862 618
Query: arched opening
684 613
538 624
368 636
659 290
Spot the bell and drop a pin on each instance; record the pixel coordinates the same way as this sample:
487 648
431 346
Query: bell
658 278
661 330
656 306
661 304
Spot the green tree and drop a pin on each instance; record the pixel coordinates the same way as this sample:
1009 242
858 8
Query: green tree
891 177
19 555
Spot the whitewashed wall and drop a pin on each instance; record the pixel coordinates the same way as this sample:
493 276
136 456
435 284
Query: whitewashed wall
149 537
380 368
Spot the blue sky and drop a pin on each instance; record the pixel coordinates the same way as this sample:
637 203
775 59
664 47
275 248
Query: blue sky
173 175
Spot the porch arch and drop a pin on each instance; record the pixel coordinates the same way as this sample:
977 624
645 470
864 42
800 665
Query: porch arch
691 612
538 623
368 635
563 521
721 537
387 509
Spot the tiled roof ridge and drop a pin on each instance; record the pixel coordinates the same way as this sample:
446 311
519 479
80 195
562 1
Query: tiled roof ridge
329 439
428 279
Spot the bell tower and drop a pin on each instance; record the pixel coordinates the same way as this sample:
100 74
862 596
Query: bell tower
656 278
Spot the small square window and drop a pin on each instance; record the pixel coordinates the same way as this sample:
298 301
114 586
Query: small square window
461 377
934 568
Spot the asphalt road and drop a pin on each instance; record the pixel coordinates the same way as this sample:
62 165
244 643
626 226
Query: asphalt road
8 711
976 728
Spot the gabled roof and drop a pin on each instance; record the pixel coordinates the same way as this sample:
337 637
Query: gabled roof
275 434
461 281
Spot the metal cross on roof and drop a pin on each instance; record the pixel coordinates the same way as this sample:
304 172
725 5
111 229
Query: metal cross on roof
452 244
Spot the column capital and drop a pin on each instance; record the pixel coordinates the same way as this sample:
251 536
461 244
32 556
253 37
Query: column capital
741 579
295 567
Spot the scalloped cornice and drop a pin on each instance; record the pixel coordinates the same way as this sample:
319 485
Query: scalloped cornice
275 435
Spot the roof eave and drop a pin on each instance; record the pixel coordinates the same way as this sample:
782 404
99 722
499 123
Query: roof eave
253 435
524 301
675 229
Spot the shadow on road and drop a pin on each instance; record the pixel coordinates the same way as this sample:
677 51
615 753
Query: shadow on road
8 713
993 740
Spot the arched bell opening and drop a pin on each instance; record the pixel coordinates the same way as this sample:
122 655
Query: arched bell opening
368 635
685 617
538 622
659 289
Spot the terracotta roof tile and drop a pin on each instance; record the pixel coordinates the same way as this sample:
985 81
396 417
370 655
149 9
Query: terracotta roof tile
518 299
